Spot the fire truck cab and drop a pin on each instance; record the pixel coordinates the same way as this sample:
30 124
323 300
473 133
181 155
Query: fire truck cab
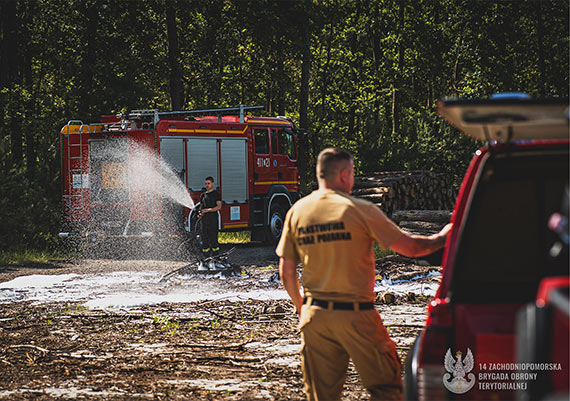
253 161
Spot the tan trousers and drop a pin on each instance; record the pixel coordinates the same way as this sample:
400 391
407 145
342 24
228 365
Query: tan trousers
331 337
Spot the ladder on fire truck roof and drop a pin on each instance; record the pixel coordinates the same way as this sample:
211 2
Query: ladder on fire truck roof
76 200
135 114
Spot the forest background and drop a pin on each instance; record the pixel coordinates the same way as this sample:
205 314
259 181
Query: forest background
363 75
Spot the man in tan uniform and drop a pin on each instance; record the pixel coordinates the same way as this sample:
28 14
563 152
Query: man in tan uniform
333 234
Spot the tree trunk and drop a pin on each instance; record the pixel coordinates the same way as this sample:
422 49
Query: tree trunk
305 74
350 132
279 81
9 43
394 111
376 57
88 61
17 145
398 81
422 225
373 134
26 58
176 92
540 50
325 72
304 96
432 216
10 74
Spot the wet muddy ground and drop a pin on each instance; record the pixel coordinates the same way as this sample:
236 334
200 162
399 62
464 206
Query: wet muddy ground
110 329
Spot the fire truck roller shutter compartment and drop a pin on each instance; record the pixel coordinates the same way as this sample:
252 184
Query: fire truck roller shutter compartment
172 152
234 170
108 170
202 162
109 185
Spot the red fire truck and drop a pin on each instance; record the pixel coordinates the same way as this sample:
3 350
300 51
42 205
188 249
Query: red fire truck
253 161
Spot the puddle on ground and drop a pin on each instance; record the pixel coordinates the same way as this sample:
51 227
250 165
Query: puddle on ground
70 392
229 386
73 392
277 347
130 289
289 361
124 290
281 353
216 385
426 284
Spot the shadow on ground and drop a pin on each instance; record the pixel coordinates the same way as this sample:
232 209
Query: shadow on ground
168 249
31 265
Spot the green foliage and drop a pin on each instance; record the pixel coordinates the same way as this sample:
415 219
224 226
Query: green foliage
376 70
28 215
164 323
26 256
380 253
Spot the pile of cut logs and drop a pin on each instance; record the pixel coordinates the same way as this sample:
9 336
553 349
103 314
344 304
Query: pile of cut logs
423 222
405 190
419 201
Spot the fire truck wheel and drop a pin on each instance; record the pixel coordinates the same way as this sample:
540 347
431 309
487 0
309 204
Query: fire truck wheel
276 219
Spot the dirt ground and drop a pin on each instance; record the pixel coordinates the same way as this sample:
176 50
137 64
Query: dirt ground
208 349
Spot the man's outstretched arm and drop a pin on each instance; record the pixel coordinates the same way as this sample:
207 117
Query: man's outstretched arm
418 245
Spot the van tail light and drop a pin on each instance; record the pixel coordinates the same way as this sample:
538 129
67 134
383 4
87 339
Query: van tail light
439 313
434 344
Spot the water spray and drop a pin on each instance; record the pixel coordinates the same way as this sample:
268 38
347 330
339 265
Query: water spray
127 178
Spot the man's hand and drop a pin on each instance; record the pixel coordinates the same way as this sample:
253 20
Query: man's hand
445 230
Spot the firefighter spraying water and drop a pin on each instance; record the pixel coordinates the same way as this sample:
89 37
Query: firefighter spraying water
253 161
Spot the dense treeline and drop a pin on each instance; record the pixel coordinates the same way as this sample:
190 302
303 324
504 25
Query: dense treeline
363 75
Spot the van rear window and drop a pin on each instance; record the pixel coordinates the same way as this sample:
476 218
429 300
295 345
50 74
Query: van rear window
504 249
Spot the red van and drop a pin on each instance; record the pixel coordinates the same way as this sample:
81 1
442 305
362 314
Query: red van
495 259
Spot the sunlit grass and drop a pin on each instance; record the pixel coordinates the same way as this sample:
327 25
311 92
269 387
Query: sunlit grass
238 237
20 257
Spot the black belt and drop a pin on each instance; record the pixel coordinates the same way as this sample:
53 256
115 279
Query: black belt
341 305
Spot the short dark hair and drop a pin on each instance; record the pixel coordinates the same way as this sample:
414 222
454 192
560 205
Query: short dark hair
329 159
209 178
